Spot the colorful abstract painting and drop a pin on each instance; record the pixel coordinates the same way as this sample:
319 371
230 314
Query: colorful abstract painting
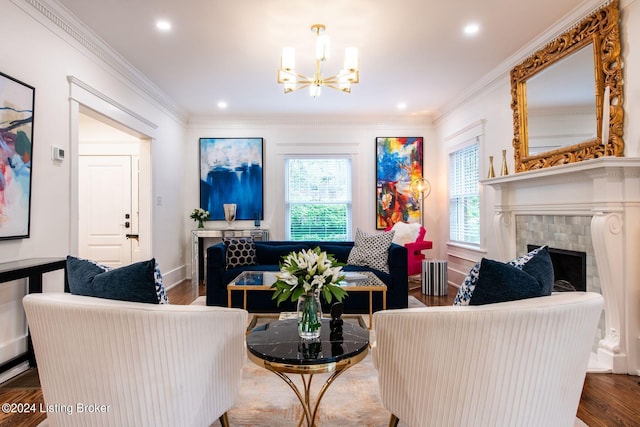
231 172
398 164
16 148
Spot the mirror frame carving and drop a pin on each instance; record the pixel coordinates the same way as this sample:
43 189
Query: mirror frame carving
602 29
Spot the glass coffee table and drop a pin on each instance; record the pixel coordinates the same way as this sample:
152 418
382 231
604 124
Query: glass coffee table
354 282
277 347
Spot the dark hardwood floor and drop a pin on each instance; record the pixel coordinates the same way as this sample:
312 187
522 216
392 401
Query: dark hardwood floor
607 400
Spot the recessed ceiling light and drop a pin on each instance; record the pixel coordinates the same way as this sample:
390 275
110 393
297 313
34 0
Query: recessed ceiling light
163 25
222 105
402 106
471 29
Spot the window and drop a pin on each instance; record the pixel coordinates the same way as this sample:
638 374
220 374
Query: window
464 200
318 198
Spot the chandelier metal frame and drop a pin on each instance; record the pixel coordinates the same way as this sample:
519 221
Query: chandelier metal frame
294 81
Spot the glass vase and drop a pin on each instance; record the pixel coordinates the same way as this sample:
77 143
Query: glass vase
309 315
200 223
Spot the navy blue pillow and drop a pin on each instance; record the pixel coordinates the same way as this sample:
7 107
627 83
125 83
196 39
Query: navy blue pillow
340 252
541 267
500 282
135 282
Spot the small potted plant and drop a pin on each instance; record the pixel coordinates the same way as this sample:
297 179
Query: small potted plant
200 215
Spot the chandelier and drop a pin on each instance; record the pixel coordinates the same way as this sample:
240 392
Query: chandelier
342 81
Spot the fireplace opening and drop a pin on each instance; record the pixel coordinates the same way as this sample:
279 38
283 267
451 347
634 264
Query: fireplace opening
569 269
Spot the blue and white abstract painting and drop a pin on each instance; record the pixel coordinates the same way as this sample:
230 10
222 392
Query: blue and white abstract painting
231 172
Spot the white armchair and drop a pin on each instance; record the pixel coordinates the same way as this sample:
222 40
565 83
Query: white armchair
112 363
518 363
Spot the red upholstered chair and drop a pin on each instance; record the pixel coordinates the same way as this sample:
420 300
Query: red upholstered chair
406 236
414 252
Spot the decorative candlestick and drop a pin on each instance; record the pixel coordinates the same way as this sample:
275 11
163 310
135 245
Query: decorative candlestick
504 170
492 172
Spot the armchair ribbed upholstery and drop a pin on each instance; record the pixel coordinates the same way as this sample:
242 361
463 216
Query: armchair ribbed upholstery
519 363
153 365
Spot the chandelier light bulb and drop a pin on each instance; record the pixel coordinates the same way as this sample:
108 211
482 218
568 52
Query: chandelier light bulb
351 58
323 45
288 61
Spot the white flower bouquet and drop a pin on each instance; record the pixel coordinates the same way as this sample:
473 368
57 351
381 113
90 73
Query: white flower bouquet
199 215
308 271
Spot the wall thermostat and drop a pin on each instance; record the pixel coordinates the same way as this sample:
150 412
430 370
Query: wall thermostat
57 153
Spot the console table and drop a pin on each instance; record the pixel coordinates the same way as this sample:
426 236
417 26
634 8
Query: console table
31 269
197 252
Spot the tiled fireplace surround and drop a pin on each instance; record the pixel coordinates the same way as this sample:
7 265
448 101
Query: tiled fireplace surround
591 206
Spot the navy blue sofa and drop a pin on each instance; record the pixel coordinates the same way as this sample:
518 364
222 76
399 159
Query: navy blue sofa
270 253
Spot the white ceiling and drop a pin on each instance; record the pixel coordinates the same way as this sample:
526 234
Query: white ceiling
411 51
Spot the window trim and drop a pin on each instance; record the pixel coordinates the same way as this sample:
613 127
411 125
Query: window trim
350 204
456 141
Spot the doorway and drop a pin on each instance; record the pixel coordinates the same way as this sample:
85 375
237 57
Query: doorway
109 187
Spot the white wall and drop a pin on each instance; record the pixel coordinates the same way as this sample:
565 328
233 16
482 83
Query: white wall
43 58
38 53
493 105
311 135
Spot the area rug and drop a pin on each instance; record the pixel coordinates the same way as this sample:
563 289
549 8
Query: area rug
353 400
415 302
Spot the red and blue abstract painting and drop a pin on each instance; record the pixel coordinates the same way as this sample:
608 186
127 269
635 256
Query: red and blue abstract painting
231 172
398 164
16 151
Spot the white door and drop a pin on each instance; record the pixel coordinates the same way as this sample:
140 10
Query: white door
106 216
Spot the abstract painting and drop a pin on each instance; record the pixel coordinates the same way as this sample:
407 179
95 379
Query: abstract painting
231 172
398 164
16 149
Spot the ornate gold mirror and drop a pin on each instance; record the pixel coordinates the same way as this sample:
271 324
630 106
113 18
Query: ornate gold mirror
567 97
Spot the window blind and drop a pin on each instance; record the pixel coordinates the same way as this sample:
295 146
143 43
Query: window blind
464 201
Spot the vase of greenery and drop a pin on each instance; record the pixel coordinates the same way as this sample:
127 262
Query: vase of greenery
303 277
200 215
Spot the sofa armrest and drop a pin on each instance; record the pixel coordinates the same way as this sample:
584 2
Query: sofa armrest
216 263
397 295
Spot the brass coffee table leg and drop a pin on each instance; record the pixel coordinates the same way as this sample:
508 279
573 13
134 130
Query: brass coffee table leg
305 401
324 388
292 385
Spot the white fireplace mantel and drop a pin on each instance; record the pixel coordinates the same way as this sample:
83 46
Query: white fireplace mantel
608 190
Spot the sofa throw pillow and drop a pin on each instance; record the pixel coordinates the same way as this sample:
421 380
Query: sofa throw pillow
240 251
501 282
134 283
405 233
158 281
371 250
159 284
542 269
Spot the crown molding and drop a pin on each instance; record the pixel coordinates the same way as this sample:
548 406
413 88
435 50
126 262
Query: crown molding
311 121
61 21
